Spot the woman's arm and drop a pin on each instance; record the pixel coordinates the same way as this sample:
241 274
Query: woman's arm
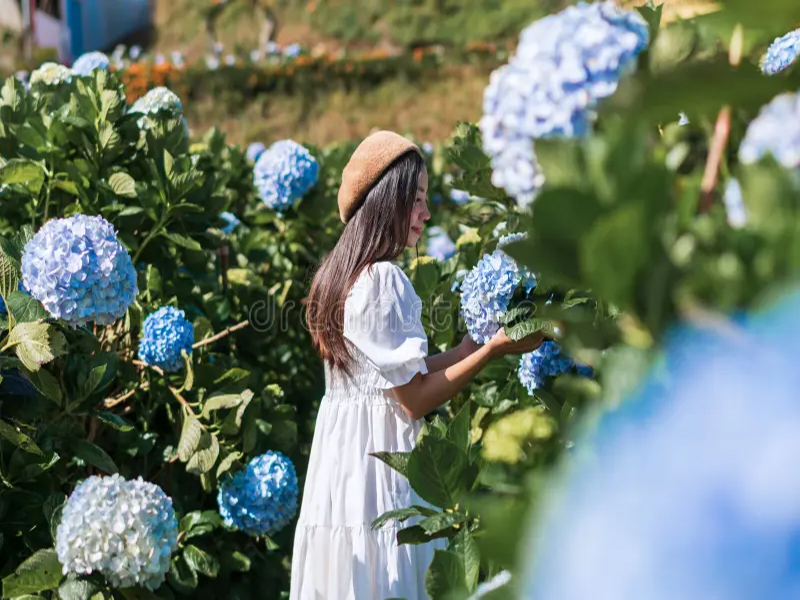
425 393
441 361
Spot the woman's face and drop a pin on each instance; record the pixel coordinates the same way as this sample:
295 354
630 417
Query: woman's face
419 214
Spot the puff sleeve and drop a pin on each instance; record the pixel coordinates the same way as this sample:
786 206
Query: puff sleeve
382 319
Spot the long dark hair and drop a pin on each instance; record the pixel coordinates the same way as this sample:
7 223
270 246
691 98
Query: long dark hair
376 232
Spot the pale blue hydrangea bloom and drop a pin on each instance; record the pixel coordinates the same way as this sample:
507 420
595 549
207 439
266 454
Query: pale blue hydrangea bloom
86 63
255 55
261 499
159 100
440 246
775 131
164 334
682 491
230 60
292 51
564 64
683 119
284 173
232 222
218 48
212 63
782 53
135 52
124 530
254 151
487 291
459 196
547 361
734 204
177 58
79 271
427 148
51 74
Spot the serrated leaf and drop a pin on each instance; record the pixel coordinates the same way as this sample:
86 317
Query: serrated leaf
47 385
39 573
94 455
437 470
236 561
8 277
458 429
396 460
169 165
445 576
113 420
441 521
19 439
190 438
529 327
466 548
66 185
205 454
403 514
25 307
182 241
78 589
221 401
93 380
181 575
36 343
24 172
188 382
201 561
226 463
123 185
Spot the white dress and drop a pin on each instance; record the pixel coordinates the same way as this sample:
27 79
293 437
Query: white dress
337 556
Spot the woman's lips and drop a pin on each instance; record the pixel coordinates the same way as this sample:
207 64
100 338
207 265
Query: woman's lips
417 230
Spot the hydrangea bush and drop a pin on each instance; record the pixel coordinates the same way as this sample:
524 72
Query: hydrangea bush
261 499
124 530
564 64
166 333
79 271
284 173
85 64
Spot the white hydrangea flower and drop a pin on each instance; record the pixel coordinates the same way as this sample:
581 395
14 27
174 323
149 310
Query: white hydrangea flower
51 74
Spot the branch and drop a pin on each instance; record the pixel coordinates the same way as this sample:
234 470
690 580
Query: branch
139 363
221 334
181 399
722 130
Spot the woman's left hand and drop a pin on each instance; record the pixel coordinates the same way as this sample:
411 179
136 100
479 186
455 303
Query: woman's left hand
467 346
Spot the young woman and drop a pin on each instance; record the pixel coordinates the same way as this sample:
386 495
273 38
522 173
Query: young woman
364 319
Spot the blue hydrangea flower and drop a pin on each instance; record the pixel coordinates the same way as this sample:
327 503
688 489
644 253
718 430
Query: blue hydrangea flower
775 131
440 246
292 51
79 271
693 493
254 151
135 52
177 58
683 119
164 334
212 63
547 361
51 74
86 63
459 196
564 64
458 280
218 48
284 173
261 499
232 222
487 291
159 100
427 148
734 204
124 530
230 60
781 53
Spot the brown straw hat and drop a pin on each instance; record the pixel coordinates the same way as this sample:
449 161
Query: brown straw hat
369 161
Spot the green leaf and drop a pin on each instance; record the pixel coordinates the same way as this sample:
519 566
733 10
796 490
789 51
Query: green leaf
47 385
78 589
458 430
445 576
226 463
396 460
236 561
201 561
412 535
25 308
8 277
181 575
93 380
123 185
403 514
191 433
19 439
199 523
182 240
188 382
465 546
36 343
441 521
94 455
39 573
113 420
219 402
24 172
68 186
205 454
529 327
52 509
437 470
137 593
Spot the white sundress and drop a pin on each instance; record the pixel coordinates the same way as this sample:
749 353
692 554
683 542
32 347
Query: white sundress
337 556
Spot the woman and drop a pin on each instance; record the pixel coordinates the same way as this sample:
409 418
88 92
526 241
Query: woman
364 318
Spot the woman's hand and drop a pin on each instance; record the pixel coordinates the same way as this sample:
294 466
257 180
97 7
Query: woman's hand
501 344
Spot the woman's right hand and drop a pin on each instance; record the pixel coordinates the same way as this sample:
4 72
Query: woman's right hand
501 344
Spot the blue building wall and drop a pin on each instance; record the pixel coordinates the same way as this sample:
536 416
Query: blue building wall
99 24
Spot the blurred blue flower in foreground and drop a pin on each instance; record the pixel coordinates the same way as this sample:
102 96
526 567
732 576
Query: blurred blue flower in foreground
686 491
254 151
440 246
564 64
284 173
782 53
734 204
86 63
232 221
775 131
261 499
